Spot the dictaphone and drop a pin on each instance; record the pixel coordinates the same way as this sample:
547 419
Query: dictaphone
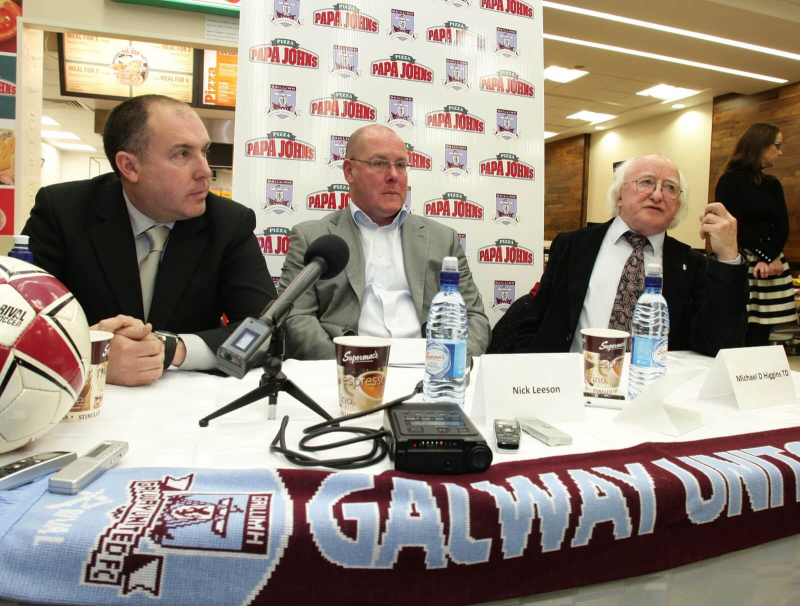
78 474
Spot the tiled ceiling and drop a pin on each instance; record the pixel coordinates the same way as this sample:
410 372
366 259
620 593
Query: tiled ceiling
614 78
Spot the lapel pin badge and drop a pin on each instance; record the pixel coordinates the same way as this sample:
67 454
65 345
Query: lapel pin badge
684 267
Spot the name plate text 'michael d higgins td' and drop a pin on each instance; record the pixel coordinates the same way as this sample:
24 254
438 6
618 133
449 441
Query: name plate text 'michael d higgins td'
758 377
548 386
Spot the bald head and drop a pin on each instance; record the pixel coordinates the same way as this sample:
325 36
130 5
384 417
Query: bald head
362 139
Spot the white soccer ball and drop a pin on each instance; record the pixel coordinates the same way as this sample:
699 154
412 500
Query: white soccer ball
44 352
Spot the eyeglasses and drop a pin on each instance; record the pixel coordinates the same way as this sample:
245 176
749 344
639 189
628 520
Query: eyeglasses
381 166
647 185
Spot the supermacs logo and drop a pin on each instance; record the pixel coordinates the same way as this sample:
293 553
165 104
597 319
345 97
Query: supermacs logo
417 160
453 205
280 145
505 252
335 197
346 16
402 67
454 33
512 7
507 166
287 13
274 242
282 51
7 89
343 105
455 117
507 83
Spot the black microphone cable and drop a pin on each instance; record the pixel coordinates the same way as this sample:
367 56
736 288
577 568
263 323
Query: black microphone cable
375 455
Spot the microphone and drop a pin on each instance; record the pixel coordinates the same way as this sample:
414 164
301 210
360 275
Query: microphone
325 258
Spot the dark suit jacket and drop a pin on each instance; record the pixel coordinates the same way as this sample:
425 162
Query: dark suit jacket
707 299
81 233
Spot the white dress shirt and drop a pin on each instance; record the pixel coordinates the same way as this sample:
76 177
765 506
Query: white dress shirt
607 270
387 309
198 354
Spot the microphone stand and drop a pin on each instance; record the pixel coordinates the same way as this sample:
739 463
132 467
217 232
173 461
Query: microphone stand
272 382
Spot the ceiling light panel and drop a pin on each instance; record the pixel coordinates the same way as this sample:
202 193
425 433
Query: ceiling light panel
592 117
48 121
665 91
73 146
60 134
562 74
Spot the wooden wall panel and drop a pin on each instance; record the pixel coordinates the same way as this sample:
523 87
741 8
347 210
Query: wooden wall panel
733 114
566 166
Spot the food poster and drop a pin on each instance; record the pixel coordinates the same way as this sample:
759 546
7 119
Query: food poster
10 10
111 67
219 78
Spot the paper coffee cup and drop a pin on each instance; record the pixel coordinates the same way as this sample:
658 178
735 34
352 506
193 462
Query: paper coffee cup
361 364
90 400
603 360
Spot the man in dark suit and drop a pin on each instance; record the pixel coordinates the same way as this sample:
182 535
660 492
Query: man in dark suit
95 235
706 296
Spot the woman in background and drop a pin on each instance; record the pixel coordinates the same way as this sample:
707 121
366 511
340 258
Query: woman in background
756 200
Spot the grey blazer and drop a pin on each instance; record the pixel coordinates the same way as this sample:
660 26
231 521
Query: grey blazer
332 307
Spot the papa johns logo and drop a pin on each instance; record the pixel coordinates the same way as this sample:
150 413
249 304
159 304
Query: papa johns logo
506 252
173 520
402 67
346 16
454 33
418 160
511 7
507 82
342 105
455 117
335 197
507 166
283 51
280 145
274 242
454 205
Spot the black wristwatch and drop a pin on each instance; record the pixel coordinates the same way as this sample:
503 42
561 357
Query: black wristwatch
170 341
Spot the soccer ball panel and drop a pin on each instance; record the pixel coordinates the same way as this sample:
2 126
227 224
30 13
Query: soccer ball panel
44 352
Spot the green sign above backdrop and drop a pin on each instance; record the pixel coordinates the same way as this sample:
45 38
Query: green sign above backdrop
229 8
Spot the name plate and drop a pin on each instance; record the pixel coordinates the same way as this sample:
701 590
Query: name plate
759 377
548 386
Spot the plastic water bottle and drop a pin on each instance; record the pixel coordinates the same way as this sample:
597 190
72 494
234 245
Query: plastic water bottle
21 250
649 329
446 349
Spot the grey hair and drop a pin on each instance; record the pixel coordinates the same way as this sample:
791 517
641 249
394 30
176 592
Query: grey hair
620 178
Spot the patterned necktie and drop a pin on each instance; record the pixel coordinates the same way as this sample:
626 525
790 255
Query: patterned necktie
631 284
147 274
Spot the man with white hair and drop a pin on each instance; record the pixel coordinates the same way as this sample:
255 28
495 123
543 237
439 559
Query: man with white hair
583 285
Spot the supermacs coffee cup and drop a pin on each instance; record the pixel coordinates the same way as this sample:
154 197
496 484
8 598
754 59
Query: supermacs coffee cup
90 400
603 359
361 372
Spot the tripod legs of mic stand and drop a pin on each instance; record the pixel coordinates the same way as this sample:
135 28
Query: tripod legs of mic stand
270 387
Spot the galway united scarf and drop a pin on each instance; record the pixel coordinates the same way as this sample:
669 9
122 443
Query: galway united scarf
197 536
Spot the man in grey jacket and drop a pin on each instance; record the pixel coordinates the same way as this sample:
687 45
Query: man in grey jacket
395 259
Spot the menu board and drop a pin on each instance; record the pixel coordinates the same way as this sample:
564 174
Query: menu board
219 7
93 66
219 78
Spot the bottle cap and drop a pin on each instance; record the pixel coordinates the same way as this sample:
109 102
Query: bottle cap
450 264
21 240
653 269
